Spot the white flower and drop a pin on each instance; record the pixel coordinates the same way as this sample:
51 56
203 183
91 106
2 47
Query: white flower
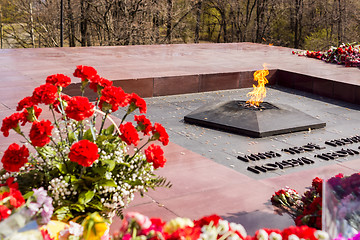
108 175
263 235
275 236
76 229
293 237
233 236
208 233
321 235
223 227
239 228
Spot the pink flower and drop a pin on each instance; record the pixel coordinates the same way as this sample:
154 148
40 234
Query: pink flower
143 221
127 237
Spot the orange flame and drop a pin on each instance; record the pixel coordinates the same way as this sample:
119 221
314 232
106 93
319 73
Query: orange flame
258 94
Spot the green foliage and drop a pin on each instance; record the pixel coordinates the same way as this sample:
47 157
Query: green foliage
320 40
211 26
280 32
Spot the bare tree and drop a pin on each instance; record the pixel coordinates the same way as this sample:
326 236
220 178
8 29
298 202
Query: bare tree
292 23
198 19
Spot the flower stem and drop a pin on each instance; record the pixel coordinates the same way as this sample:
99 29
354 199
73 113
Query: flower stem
82 172
124 117
28 140
56 122
139 149
103 122
223 237
60 151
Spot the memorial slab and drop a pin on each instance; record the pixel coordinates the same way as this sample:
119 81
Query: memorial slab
267 120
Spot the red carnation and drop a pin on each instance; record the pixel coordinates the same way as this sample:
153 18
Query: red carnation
15 157
58 80
64 99
137 102
10 183
144 124
31 114
158 222
317 184
207 220
4 212
155 155
40 132
105 83
129 134
98 82
298 220
84 153
16 199
12 122
27 102
79 108
112 98
84 72
159 133
46 94
302 232
185 233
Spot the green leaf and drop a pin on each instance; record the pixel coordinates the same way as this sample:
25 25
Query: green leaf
101 138
90 228
63 213
77 207
110 164
88 135
67 178
86 197
91 179
76 182
124 164
72 166
71 137
109 130
134 183
96 204
107 183
62 168
99 170
47 150
28 194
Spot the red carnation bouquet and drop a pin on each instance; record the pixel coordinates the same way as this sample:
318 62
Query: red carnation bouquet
305 209
345 54
80 156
